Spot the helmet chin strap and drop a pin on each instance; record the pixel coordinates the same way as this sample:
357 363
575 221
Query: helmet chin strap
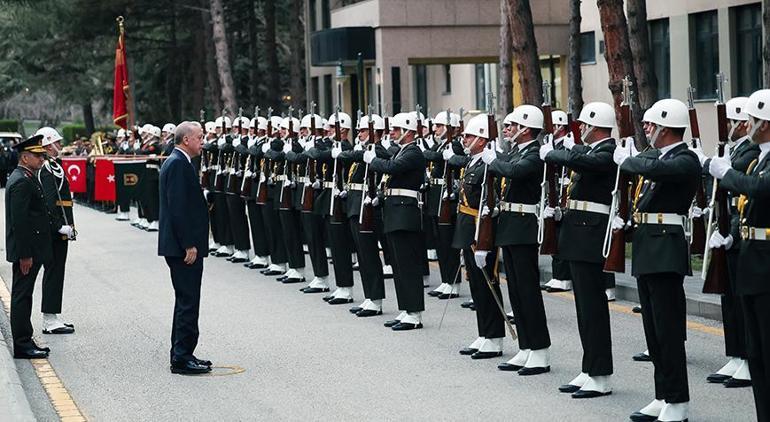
400 138
654 136
732 130
755 124
584 136
518 133
467 150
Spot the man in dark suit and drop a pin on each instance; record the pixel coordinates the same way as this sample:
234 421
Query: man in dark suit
183 241
28 242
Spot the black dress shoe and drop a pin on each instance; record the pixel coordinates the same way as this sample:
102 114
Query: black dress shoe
271 273
390 323
44 349
737 383
486 355
238 260
555 290
641 417
505 366
641 357
363 313
568 388
434 293
589 394
66 324
328 298
511 319
203 362
473 307
31 353
445 296
637 310
717 378
355 309
315 290
293 280
339 300
230 258
467 351
537 370
466 305
60 330
406 326
191 367
282 278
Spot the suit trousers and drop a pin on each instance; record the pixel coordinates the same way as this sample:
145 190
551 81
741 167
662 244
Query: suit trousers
663 316
292 237
21 305
274 233
152 196
239 226
523 275
220 219
315 234
53 277
756 310
448 257
407 249
560 268
370 266
593 317
732 312
489 321
186 280
258 231
341 244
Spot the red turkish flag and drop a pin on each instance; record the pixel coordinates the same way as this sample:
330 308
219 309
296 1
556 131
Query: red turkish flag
120 86
104 180
75 169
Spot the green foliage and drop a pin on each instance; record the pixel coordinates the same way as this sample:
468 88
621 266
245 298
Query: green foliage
71 131
9 125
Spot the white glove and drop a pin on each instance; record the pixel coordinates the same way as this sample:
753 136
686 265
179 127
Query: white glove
342 194
286 146
317 184
248 173
429 142
551 212
287 183
698 150
488 155
66 230
719 166
621 154
631 145
336 151
266 147
376 201
485 212
481 258
545 149
618 223
386 142
358 147
447 153
262 178
421 145
369 156
206 193
696 212
717 240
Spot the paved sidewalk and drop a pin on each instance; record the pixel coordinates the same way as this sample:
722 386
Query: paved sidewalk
14 405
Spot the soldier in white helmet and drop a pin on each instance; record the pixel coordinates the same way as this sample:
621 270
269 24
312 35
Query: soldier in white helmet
259 233
236 205
220 223
150 194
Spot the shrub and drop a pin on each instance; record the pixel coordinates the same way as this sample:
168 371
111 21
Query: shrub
72 131
9 125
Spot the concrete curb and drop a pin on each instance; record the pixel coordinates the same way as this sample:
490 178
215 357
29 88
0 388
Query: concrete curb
14 405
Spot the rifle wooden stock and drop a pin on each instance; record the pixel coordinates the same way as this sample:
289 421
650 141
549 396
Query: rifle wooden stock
698 241
247 182
485 240
616 259
717 273
550 243
367 211
445 204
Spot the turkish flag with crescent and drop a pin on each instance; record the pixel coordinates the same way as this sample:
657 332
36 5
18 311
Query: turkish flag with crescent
120 86
75 169
104 180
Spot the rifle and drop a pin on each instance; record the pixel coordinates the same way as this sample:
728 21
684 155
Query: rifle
419 121
335 205
485 234
445 204
264 168
232 178
574 126
697 225
715 259
366 213
219 182
462 121
248 181
307 194
285 197
614 248
549 193
205 156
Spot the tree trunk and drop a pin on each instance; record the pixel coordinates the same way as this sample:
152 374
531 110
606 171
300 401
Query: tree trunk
173 76
617 52
271 50
88 117
766 41
575 70
223 56
505 91
198 68
253 53
524 47
215 88
639 40
297 45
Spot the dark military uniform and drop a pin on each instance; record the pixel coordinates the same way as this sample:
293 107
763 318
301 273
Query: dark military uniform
218 186
56 189
753 272
581 238
285 202
236 205
517 229
28 234
151 183
402 218
488 318
559 266
259 237
270 217
661 259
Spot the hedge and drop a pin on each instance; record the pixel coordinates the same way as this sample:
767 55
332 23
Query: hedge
71 131
9 125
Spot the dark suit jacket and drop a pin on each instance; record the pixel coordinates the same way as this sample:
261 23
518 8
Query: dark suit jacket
27 219
184 217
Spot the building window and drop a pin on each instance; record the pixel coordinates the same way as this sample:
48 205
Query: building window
588 48
748 48
660 47
395 79
327 95
326 14
447 79
481 96
311 12
421 86
705 50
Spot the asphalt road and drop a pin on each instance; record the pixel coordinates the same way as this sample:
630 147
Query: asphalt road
304 359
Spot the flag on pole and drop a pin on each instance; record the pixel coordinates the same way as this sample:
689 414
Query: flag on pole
104 180
120 87
75 169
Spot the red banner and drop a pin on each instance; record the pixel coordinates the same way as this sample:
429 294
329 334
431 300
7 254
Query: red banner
120 86
75 169
104 180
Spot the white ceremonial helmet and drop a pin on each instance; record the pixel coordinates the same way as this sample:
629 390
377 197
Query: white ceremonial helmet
228 122
647 115
736 109
478 126
169 128
447 120
559 117
294 124
261 123
210 127
670 113
508 120
146 128
311 118
155 131
758 105
121 133
598 114
377 122
50 135
244 121
345 121
528 116
405 121
275 122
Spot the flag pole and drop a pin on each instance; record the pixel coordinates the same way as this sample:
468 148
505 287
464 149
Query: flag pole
127 86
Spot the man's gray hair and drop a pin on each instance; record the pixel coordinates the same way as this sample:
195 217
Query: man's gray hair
184 129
